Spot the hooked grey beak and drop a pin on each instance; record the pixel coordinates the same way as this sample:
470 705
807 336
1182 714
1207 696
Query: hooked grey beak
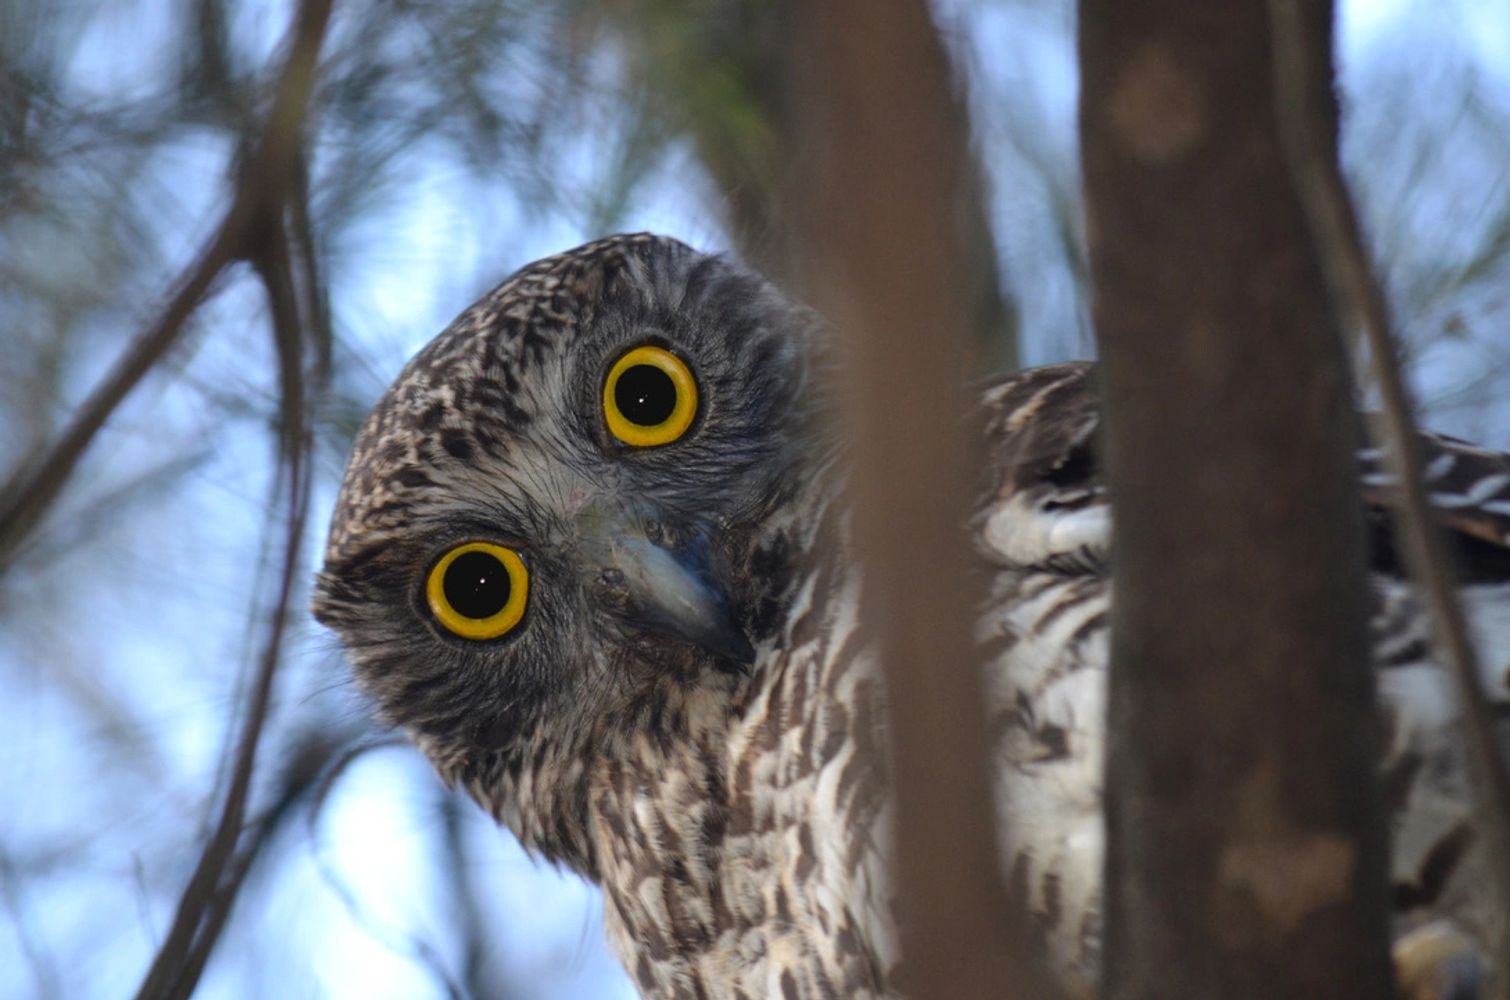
670 590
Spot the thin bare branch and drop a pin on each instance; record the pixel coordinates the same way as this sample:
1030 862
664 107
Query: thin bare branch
274 267
218 907
206 900
258 200
31 492
1360 304
198 917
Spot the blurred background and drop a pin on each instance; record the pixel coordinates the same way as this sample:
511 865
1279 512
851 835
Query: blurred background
448 143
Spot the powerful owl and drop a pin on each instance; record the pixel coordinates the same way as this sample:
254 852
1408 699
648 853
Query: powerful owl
591 556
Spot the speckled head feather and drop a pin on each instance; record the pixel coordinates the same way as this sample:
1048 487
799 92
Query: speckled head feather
495 432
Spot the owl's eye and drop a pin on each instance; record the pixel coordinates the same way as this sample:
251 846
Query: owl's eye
649 397
478 590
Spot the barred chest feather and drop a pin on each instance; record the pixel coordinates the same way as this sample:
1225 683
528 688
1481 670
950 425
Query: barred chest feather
1048 694
750 863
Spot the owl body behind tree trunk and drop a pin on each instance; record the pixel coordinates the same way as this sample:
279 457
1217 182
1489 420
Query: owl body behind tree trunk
591 555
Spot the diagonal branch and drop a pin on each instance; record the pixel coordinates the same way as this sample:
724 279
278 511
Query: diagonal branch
297 781
172 974
259 198
27 497
1360 305
205 902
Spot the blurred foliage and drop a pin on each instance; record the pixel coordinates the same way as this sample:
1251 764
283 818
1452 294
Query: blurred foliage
1436 201
449 142
727 78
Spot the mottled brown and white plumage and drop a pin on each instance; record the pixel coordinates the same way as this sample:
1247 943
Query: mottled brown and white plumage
715 768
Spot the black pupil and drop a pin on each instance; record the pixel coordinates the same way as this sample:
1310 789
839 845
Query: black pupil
645 395
477 585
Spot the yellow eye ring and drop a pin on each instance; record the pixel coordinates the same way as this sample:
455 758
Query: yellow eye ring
478 590
649 397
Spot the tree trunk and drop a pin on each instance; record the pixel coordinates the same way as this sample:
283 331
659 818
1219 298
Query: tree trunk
879 214
1246 856
729 75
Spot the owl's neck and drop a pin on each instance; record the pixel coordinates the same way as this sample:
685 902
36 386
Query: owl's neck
798 532
684 723
707 854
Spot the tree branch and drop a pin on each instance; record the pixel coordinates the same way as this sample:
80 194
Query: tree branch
258 202
205 903
200 914
1301 78
888 244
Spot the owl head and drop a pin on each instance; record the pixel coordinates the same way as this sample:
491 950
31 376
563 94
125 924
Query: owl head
558 528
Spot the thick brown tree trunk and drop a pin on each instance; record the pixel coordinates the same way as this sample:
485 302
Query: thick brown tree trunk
1246 854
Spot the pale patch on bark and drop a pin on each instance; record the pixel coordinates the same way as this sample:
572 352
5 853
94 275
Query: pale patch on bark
1290 877
1157 110
1286 872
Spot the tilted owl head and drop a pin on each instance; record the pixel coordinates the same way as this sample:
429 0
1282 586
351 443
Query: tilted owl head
556 526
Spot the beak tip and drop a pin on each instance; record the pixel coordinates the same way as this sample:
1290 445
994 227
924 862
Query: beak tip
738 651
715 630
674 595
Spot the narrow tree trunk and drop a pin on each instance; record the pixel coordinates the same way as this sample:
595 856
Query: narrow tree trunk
1246 855
888 245
751 136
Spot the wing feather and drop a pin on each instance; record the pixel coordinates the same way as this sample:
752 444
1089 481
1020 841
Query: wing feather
1043 521
1043 502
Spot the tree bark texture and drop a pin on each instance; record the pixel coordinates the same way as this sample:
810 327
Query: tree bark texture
880 218
1246 855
